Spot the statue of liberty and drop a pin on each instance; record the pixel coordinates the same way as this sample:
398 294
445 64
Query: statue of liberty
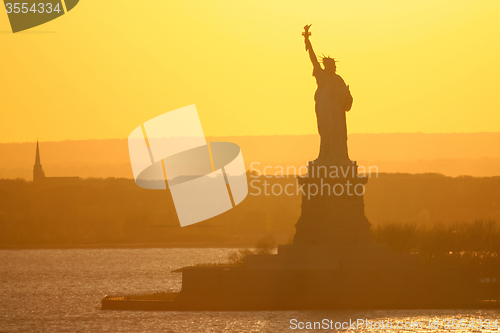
333 99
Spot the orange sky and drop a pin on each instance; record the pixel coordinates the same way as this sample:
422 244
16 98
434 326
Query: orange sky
108 66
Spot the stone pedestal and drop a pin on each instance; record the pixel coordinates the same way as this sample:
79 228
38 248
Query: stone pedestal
335 216
333 232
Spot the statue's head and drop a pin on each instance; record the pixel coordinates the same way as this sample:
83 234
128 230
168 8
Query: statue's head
329 64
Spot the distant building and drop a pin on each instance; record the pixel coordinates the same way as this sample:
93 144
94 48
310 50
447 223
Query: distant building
40 178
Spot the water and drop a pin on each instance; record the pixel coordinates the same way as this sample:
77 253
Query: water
61 290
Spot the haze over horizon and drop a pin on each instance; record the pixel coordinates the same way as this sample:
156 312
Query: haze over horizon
451 154
40 139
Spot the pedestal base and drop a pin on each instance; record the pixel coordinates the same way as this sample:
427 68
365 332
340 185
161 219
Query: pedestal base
333 209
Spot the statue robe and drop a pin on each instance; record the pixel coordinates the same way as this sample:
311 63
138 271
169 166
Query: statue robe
333 99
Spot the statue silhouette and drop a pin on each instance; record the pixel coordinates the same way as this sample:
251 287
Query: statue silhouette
333 99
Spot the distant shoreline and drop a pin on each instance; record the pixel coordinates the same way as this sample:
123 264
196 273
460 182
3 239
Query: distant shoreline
116 247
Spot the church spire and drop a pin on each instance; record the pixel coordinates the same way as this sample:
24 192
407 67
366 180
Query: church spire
37 158
38 174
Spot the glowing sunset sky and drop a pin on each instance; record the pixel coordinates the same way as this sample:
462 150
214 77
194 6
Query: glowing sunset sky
108 66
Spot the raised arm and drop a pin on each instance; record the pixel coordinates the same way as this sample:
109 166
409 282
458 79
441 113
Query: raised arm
309 47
